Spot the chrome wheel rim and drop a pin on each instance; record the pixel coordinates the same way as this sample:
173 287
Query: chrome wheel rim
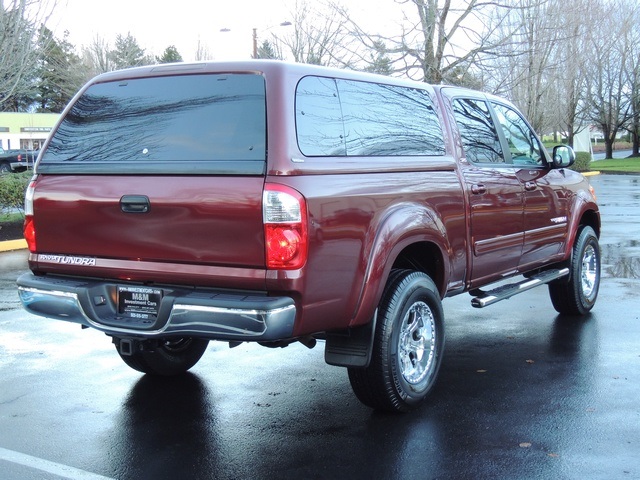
416 344
589 271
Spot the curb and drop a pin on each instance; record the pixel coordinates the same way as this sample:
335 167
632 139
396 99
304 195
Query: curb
590 174
10 245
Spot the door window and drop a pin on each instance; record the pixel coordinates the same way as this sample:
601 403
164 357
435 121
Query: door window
523 144
479 136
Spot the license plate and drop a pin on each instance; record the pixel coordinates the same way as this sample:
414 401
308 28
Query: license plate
139 302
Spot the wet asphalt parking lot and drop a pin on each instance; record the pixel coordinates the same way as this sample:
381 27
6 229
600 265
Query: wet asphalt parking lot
522 394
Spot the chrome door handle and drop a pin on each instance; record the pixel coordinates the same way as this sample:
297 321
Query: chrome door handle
478 189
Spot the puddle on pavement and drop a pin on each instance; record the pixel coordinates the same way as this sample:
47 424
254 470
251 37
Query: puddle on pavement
621 260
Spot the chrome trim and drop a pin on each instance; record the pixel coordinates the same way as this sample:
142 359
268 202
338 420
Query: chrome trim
236 317
484 299
213 322
31 297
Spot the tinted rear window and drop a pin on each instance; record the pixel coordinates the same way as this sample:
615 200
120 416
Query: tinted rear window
213 123
337 117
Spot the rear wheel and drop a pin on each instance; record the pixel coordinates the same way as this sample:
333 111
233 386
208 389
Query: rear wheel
4 168
578 295
408 345
167 356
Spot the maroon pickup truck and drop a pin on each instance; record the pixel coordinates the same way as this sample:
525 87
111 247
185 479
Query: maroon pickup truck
271 202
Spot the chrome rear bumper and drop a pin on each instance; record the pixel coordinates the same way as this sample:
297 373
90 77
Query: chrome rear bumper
212 314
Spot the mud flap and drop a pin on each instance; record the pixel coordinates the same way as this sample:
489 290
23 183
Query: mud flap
351 348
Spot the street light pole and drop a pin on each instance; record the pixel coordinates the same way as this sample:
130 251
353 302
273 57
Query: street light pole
255 36
255 43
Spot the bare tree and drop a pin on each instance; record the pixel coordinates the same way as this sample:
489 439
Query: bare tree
101 58
607 82
96 56
528 68
633 78
19 22
568 105
316 36
202 52
438 40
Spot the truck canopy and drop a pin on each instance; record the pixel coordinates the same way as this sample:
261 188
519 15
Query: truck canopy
157 169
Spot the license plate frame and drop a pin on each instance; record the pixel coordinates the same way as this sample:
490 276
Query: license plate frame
139 302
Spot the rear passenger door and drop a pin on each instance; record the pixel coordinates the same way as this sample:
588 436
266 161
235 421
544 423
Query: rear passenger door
494 192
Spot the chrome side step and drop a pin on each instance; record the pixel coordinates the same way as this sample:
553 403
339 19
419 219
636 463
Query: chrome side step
484 299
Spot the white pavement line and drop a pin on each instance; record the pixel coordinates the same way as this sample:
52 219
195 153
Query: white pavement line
36 463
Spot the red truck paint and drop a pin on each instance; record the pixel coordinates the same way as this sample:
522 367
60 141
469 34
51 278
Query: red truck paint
197 238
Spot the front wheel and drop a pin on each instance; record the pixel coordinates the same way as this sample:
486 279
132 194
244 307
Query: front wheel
165 357
407 348
578 295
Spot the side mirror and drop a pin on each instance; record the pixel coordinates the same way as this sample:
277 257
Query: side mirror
563 156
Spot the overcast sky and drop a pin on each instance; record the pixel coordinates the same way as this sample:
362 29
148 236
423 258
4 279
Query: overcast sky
157 25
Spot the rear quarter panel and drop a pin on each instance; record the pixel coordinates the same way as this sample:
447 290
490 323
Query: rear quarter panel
357 226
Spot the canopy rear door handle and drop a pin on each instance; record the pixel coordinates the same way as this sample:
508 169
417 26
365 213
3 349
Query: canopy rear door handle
135 204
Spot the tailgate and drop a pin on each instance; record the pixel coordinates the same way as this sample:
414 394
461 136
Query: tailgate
204 220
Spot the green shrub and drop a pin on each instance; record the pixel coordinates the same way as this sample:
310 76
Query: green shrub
583 162
12 188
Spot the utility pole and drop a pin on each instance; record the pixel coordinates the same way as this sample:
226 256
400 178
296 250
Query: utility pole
255 43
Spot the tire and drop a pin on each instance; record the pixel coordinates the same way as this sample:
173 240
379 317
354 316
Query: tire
165 357
4 168
579 294
407 348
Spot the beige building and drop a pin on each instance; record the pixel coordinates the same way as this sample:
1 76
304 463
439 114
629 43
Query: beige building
25 130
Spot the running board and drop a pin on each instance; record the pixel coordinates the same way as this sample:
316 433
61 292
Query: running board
484 299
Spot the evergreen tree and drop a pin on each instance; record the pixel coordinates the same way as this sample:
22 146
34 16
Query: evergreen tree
267 51
128 53
60 72
380 61
170 55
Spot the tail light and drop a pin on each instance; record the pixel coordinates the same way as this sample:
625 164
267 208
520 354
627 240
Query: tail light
284 213
29 226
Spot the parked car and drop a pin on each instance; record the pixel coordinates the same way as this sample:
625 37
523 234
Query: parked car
16 160
274 203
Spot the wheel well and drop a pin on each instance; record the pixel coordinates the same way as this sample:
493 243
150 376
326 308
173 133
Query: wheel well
423 257
590 218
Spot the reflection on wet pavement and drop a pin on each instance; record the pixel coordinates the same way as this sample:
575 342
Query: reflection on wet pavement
620 260
618 197
11 265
